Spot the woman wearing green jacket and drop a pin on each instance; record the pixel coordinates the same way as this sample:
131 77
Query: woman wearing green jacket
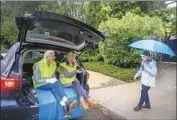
68 71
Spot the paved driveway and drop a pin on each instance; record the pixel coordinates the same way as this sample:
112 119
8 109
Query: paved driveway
123 98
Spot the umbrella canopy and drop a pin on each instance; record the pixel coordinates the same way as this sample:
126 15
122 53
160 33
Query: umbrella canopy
154 46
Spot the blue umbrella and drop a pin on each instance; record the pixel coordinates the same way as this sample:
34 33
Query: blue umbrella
154 46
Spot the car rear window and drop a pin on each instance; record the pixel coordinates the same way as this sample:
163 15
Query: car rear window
55 31
34 56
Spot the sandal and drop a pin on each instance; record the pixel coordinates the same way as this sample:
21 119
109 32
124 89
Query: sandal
92 102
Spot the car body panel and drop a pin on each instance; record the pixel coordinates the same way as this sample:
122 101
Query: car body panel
10 99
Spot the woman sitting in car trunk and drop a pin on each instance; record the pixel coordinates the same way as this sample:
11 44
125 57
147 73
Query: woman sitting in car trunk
68 71
44 79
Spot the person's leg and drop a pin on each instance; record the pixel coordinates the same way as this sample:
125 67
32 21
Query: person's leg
61 101
47 86
147 96
60 91
56 93
142 99
59 86
77 86
54 90
147 102
91 102
143 95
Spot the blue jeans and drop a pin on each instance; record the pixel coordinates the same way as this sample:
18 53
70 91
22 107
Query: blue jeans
78 88
56 89
144 95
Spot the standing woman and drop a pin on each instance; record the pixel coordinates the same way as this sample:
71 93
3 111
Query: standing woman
68 71
44 79
147 71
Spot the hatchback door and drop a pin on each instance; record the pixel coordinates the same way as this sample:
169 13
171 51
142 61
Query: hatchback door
54 29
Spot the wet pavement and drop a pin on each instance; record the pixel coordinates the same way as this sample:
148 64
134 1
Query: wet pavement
100 113
126 96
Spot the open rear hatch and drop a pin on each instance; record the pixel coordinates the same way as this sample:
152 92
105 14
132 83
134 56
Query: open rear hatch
53 29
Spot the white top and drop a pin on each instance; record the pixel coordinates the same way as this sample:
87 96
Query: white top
148 72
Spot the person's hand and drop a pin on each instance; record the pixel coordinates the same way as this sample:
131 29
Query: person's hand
135 77
79 71
48 81
51 80
74 60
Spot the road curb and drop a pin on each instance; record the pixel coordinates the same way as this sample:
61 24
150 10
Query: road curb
173 63
111 113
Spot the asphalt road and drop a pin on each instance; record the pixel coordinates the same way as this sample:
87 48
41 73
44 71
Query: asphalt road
96 114
99 113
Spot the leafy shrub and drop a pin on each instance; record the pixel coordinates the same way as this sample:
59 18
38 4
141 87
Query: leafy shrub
124 74
121 32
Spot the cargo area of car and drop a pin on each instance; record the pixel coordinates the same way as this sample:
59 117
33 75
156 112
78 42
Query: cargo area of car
44 99
29 58
28 93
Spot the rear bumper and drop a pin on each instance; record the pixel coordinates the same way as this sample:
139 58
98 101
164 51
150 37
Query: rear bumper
10 110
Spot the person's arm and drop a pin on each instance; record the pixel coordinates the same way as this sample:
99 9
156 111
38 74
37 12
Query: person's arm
37 76
151 68
67 73
139 71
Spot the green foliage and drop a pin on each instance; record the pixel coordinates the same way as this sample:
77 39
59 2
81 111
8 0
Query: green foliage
119 35
172 22
91 58
119 8
9 30
114 50
72 9
110 70
10 10
17 8
96 12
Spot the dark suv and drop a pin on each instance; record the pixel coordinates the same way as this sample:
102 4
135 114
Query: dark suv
39 32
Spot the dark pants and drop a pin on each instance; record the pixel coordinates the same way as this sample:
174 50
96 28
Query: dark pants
144 95
56 89
78 88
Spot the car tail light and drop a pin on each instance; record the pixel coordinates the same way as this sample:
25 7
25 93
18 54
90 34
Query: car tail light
9 83
88 75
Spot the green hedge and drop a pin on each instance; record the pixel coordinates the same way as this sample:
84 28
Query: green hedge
124 74
121 32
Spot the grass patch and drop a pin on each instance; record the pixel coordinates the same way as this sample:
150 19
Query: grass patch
124 74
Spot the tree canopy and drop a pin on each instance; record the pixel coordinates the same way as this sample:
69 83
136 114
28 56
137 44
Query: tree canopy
121 21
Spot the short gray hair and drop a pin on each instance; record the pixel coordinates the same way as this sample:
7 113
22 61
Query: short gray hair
47 53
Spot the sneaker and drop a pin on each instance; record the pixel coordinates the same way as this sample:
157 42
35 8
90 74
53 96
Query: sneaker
83 105
67 116
146 106
92 102
66 113
72 106
137 108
